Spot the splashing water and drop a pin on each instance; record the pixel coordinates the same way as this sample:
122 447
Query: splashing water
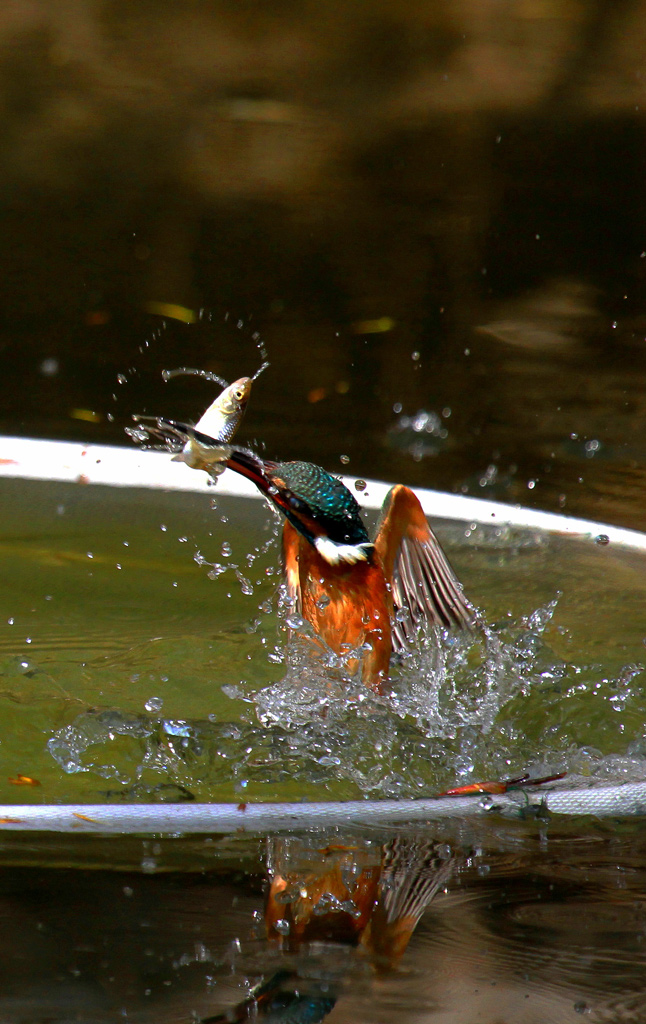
462 708
421 435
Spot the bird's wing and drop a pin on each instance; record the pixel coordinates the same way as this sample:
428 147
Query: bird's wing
424 587
413 871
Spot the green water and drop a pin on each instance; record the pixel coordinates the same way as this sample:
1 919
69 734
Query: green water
130 671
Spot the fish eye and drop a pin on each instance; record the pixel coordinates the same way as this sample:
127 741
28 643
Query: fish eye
238 395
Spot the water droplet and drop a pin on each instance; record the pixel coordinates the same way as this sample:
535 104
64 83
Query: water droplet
154 704
282 926
122 379
246 586
163 527
225 550
415 356
344 459
177 727
232 692
360 485
49 367
323 602
591 448
148 865
602 538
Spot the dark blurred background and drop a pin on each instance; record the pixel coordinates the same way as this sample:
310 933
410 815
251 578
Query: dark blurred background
431 214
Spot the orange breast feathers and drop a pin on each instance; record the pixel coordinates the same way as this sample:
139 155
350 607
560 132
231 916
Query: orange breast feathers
347 605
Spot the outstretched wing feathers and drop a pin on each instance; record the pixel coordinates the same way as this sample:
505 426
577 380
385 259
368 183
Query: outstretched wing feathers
425 589
412 873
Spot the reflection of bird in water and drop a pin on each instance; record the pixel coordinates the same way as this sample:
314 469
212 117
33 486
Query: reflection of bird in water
362 895
279 1001
357 593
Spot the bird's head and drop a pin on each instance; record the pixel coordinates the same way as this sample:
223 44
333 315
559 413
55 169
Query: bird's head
323 510
318 505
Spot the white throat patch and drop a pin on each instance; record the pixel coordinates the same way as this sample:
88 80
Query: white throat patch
334 553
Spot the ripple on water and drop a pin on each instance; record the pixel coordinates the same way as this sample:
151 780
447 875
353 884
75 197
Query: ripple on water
491 705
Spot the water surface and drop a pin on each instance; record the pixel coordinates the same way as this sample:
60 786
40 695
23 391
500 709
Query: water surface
144 655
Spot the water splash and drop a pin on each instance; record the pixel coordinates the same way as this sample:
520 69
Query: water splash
421 435
462 708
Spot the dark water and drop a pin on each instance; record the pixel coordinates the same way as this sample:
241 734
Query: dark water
437 207
432 217
524 928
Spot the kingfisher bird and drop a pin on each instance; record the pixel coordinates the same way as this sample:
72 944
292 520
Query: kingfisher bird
359 595
370 596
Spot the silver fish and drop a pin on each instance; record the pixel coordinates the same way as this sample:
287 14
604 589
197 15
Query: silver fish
206 445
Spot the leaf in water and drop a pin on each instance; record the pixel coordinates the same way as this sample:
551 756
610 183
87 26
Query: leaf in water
24 780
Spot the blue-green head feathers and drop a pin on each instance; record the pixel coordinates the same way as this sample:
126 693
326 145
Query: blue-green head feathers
316 504
327 500
324 511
